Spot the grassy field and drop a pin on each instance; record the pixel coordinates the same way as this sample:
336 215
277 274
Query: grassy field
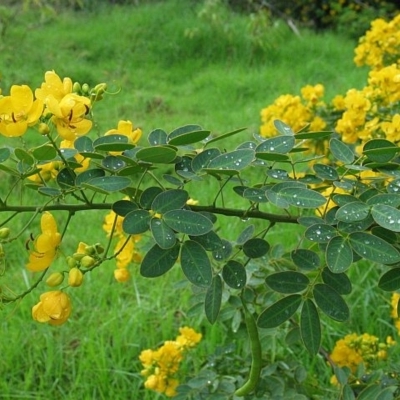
170 66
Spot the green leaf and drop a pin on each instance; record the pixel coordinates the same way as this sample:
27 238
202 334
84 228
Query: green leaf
84 144
338 254
373 248
108 184
4 154
310 327
256 248
343 199
195 264
341 151
212 304
331 302
184 139
148 195
349 227
136 222
380 150
188 222
89 174
386 216
313 135
44 153
385 198
320 233
24 156
340 282
234 274
352 212
234 160
224 136
158 261
124 207
371 392
245 235
114 142
288 282
272 157
49 191
283 128
279 312
280 174
394 187
66 178
163 235
223 252
302 198
326 172
210 241
390 280
156 154
277 144
305 259
256 195
113 163
182 130
157 137
169 200
203 159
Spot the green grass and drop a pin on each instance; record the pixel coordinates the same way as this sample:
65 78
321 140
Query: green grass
219 79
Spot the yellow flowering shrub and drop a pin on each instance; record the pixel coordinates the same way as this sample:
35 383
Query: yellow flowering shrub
162 365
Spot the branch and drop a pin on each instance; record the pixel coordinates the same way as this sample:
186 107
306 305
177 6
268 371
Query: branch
232 212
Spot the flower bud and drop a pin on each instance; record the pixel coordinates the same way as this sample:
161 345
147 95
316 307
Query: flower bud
55 279
99 248
90 250
4 233
85 88
75 277
71 262
87 261
2 254
78 256
43 129
76 88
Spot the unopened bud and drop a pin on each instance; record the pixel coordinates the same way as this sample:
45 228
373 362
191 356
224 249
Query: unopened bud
72 261
85 88
2 254
55 279
43 129
87 261
78 256
76 88
75 277
4 233
99 248
90 250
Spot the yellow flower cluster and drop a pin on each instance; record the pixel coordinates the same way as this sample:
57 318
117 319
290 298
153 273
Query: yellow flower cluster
395 301
162 365
380 45
295 111
125 249
355 349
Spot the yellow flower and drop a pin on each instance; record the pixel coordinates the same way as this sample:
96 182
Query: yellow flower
19 111
53 86
126 128
54 308
188 337
121 275
69 115
45 245
47 171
